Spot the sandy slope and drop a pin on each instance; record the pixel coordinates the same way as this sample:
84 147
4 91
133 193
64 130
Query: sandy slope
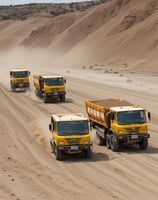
120 34
28 168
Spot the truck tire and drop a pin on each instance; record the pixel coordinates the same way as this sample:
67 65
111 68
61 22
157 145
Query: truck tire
108 145
52 145
99 140
45 99
36 92
143 144
58 154
62 98
13 89
114 143
88 154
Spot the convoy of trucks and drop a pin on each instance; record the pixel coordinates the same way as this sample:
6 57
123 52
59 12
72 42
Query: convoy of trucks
118 122
19 79
50 87
70 134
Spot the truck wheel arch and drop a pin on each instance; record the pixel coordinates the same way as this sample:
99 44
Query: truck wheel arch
112 132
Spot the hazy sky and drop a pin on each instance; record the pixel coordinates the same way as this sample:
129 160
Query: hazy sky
14 2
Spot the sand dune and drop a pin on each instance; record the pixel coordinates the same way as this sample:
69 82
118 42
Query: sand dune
112 33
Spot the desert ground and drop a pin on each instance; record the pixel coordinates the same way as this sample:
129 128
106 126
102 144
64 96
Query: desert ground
122 65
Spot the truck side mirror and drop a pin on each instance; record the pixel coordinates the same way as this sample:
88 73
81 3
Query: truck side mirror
29 72
112 116
50 127
64 80
149 115
10 73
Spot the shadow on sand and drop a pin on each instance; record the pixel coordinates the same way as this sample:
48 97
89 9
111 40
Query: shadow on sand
79 157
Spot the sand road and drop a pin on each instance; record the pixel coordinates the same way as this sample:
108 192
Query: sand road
28 169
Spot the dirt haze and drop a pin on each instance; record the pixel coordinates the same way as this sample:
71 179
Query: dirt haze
116 34
107 51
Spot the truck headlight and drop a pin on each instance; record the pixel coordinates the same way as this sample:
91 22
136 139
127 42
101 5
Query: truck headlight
120 132
61 143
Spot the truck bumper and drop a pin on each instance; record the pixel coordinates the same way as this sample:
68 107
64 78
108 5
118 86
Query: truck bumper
55 94
132 137
21 85
75 148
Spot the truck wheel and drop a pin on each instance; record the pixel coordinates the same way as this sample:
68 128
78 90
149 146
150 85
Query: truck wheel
62 98
58 154
108 141
52 145
99 140
88 154
13 89
143 144
114 143
45 99
36 92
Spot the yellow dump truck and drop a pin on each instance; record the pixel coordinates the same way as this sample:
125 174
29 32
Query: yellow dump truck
70 134
118 122
19 78
50 87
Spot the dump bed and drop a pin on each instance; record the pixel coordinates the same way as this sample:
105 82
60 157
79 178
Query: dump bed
97 110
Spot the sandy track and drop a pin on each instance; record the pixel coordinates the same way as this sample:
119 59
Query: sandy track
29 170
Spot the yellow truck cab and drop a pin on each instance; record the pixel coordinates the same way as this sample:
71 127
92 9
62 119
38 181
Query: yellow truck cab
118 122
19 78
50 87
70 134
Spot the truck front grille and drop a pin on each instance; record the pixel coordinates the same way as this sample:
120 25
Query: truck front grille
73 140
133 130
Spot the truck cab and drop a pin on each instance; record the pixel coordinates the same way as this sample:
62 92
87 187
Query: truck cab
129 125
19 78
70 134
50 87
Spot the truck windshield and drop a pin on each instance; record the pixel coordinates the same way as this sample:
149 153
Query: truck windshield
72 127
19 74
129 117
54 81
